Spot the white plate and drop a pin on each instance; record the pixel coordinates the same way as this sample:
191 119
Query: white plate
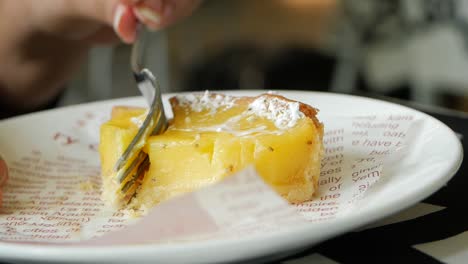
402 189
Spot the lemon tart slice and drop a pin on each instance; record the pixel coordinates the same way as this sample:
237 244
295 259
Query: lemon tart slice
213 136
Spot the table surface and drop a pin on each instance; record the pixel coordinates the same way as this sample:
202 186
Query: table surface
433 231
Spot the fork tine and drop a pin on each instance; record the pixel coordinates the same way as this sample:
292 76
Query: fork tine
156 111
123 174
130 187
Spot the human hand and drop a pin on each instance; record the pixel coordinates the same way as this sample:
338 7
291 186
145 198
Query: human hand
44 42
100 21
156 14
3 177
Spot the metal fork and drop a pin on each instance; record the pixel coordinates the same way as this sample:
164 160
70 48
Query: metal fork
130 167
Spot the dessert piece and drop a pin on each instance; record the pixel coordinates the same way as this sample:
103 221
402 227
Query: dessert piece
115 135
213 136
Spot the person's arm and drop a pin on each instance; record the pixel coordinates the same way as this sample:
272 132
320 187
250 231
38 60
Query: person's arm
43 42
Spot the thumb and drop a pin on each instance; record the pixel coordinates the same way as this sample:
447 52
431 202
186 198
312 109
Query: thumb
124 23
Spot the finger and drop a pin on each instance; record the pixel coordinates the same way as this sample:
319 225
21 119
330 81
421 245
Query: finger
157 14
109 12
176 10
3 172
98 10
125 23
149 13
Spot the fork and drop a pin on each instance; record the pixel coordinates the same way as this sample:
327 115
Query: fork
130 167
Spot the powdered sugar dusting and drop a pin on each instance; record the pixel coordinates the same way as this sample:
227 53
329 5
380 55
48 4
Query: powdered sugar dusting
139 120
284 114
207 101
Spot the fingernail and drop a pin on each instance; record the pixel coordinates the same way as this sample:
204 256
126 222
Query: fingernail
119 12
146 14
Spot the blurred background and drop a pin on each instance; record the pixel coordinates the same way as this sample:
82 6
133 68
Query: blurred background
407 49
